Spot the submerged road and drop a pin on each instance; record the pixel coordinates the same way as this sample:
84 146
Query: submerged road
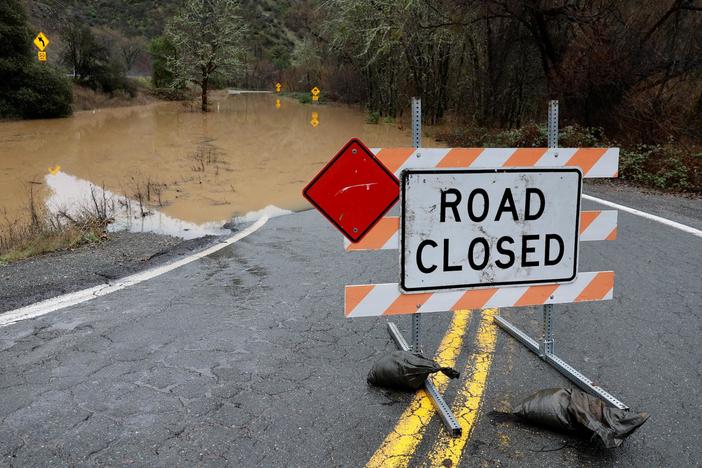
244 358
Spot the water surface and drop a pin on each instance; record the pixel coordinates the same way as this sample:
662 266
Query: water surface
195 169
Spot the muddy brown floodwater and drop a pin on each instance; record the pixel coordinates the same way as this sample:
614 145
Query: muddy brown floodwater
199 169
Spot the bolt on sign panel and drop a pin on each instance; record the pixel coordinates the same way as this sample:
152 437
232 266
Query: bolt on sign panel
470 228
354 190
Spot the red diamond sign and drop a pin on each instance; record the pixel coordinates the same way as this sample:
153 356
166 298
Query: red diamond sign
354 190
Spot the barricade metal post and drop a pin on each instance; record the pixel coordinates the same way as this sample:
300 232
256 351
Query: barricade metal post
545 349
416 142
447 417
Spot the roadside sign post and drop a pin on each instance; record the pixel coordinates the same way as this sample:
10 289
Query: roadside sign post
315 93
278 86
41 42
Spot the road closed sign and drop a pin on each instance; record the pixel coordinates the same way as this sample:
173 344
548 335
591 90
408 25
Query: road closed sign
469 228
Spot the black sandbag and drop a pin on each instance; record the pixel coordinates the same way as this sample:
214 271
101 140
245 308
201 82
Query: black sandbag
571 409
405 370
547 408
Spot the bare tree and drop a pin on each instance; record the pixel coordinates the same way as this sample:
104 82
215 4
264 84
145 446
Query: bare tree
207 37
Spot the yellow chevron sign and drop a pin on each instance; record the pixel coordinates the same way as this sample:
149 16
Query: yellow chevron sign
41 41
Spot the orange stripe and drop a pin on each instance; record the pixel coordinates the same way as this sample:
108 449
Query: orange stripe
598 287
474 299
585 158
586 218
536 295
407 304
525 157
354 295
377 237
460 157
612 235
394 158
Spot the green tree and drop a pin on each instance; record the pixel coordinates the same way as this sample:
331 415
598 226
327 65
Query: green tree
28 89
207 37
161 50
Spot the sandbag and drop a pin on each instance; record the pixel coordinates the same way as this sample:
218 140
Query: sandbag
572 409
405 370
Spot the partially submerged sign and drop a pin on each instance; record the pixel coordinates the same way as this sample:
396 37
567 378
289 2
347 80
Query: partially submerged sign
466 228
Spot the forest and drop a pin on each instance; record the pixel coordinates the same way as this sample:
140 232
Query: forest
625 72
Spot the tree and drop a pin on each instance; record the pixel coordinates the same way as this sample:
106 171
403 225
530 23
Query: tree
207 37
161 51
94 58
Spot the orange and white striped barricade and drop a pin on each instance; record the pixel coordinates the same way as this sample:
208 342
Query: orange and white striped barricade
392 299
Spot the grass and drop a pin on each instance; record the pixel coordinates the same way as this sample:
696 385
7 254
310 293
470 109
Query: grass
39 232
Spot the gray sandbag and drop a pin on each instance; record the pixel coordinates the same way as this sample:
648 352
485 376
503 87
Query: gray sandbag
405 370
571 410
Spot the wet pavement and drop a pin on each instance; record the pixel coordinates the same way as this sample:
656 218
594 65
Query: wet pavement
244 358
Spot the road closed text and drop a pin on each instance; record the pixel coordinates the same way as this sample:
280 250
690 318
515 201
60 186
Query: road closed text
468 228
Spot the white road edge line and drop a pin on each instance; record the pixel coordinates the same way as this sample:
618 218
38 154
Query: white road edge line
59 302
667 222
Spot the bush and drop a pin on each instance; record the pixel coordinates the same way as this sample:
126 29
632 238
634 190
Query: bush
666 167
161 49
373 117
44 93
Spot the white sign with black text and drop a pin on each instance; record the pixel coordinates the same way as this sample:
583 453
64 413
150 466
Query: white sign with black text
471 228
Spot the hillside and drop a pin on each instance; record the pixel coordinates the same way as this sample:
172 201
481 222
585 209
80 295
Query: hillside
272 22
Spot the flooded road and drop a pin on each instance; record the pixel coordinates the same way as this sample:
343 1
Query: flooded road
192 169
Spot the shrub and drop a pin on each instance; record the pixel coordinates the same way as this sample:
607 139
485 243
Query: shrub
373 117
44 93
666 167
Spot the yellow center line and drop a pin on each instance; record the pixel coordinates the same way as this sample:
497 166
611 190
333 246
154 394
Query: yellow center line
399 446
447 450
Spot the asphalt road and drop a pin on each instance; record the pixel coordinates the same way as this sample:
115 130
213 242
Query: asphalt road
244 358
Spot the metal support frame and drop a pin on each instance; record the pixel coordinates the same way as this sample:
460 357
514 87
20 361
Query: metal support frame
437 400
442 408
416 142
545 349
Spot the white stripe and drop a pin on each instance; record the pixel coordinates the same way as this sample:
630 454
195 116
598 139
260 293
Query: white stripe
423 158
607 166
601 226
56 303
493 157
393 242
380 298
506 296
567 293
659 219
441 302
555 157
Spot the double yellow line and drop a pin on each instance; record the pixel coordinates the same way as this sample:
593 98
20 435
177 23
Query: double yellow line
399 446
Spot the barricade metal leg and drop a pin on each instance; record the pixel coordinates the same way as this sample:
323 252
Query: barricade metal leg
437 400
563 367
546 349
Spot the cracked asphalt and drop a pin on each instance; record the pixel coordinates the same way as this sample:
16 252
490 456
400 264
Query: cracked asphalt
244 358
